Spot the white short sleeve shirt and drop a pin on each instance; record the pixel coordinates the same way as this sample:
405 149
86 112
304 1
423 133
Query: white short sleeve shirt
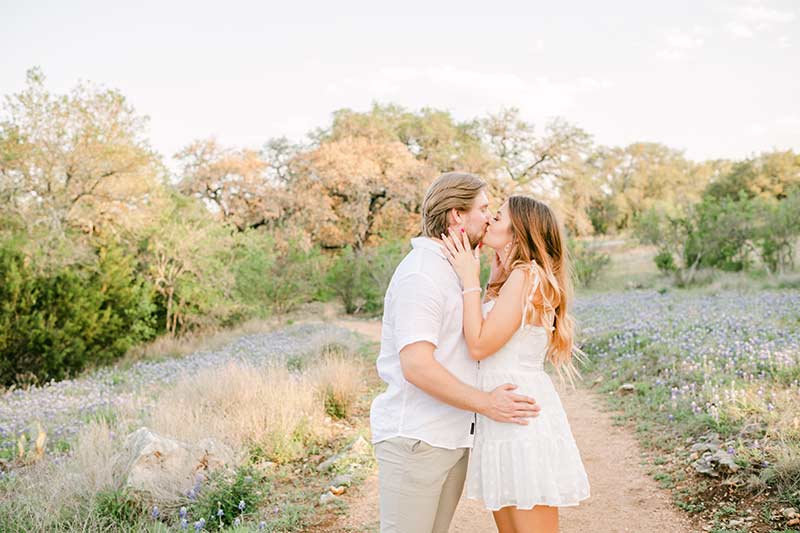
423 303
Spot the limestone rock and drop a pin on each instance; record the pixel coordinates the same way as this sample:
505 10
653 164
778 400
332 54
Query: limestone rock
163 466
361 446
326 498
344 480
712 464
358 447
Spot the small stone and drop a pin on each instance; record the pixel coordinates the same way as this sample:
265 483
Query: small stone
705 466
265 466
704 447
344 479
337 490
326 498
789 512
361 446
328 463
626 388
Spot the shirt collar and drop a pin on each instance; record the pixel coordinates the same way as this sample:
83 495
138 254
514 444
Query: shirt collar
427 243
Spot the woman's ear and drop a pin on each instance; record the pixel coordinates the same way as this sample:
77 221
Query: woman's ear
455 217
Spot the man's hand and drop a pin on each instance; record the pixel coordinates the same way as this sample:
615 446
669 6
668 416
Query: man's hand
505 406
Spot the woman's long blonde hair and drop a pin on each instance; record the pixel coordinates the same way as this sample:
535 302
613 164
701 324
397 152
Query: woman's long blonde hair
538 247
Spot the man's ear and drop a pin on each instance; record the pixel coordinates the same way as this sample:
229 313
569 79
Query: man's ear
454 218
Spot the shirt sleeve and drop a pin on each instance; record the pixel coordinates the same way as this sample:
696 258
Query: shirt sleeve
418 311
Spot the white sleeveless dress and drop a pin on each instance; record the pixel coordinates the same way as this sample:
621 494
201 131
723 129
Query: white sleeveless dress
524 466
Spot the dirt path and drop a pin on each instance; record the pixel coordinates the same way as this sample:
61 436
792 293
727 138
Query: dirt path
624 498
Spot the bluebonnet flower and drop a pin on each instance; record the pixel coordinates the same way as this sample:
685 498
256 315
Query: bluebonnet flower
182 512
155 512
242 505
262 525
184 524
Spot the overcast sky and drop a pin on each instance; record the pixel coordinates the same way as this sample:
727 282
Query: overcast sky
714 78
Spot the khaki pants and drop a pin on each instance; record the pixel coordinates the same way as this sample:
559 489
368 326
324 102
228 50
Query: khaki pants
420 485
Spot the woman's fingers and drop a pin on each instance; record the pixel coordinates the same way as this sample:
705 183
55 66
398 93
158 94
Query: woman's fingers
448 243
465 241
455 240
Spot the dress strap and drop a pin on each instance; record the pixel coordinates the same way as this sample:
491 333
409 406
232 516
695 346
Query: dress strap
529 298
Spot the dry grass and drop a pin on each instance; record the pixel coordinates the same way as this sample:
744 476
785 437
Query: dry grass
51 495
262 412
339 379
631 266
266 407
266 410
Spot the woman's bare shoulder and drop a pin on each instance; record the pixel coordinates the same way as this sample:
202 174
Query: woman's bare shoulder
515 282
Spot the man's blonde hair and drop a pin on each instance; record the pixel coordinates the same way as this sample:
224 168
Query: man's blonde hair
452 190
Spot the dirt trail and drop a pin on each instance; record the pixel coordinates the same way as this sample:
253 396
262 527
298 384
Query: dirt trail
623 497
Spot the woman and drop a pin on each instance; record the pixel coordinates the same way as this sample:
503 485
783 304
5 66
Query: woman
523 473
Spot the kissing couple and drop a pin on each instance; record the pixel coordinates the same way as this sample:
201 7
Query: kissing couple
468 398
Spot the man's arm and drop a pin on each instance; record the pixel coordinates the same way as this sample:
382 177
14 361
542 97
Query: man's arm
421 369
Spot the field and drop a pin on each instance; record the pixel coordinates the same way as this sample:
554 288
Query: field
711 384
272 401
707 378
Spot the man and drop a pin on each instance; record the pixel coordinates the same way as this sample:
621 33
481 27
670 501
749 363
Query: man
423 424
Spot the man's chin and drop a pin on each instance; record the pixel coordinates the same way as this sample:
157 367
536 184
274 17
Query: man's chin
475 240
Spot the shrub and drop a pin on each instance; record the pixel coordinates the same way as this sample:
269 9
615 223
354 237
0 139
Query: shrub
118 507
664 261
55 323
270 280
776 236
225 492
360 277
587 264
339 380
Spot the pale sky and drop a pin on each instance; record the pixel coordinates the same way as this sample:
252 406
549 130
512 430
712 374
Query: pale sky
714 78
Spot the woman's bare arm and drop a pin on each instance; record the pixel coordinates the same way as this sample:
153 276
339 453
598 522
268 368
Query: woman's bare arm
485 337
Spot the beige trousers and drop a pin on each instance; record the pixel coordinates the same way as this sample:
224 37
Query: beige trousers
420 485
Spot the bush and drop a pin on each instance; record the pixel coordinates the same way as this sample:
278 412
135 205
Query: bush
225 492
56 323
273 280
118 507
587 264
664 261
722 233
725 234
775 238
360 277
338 379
